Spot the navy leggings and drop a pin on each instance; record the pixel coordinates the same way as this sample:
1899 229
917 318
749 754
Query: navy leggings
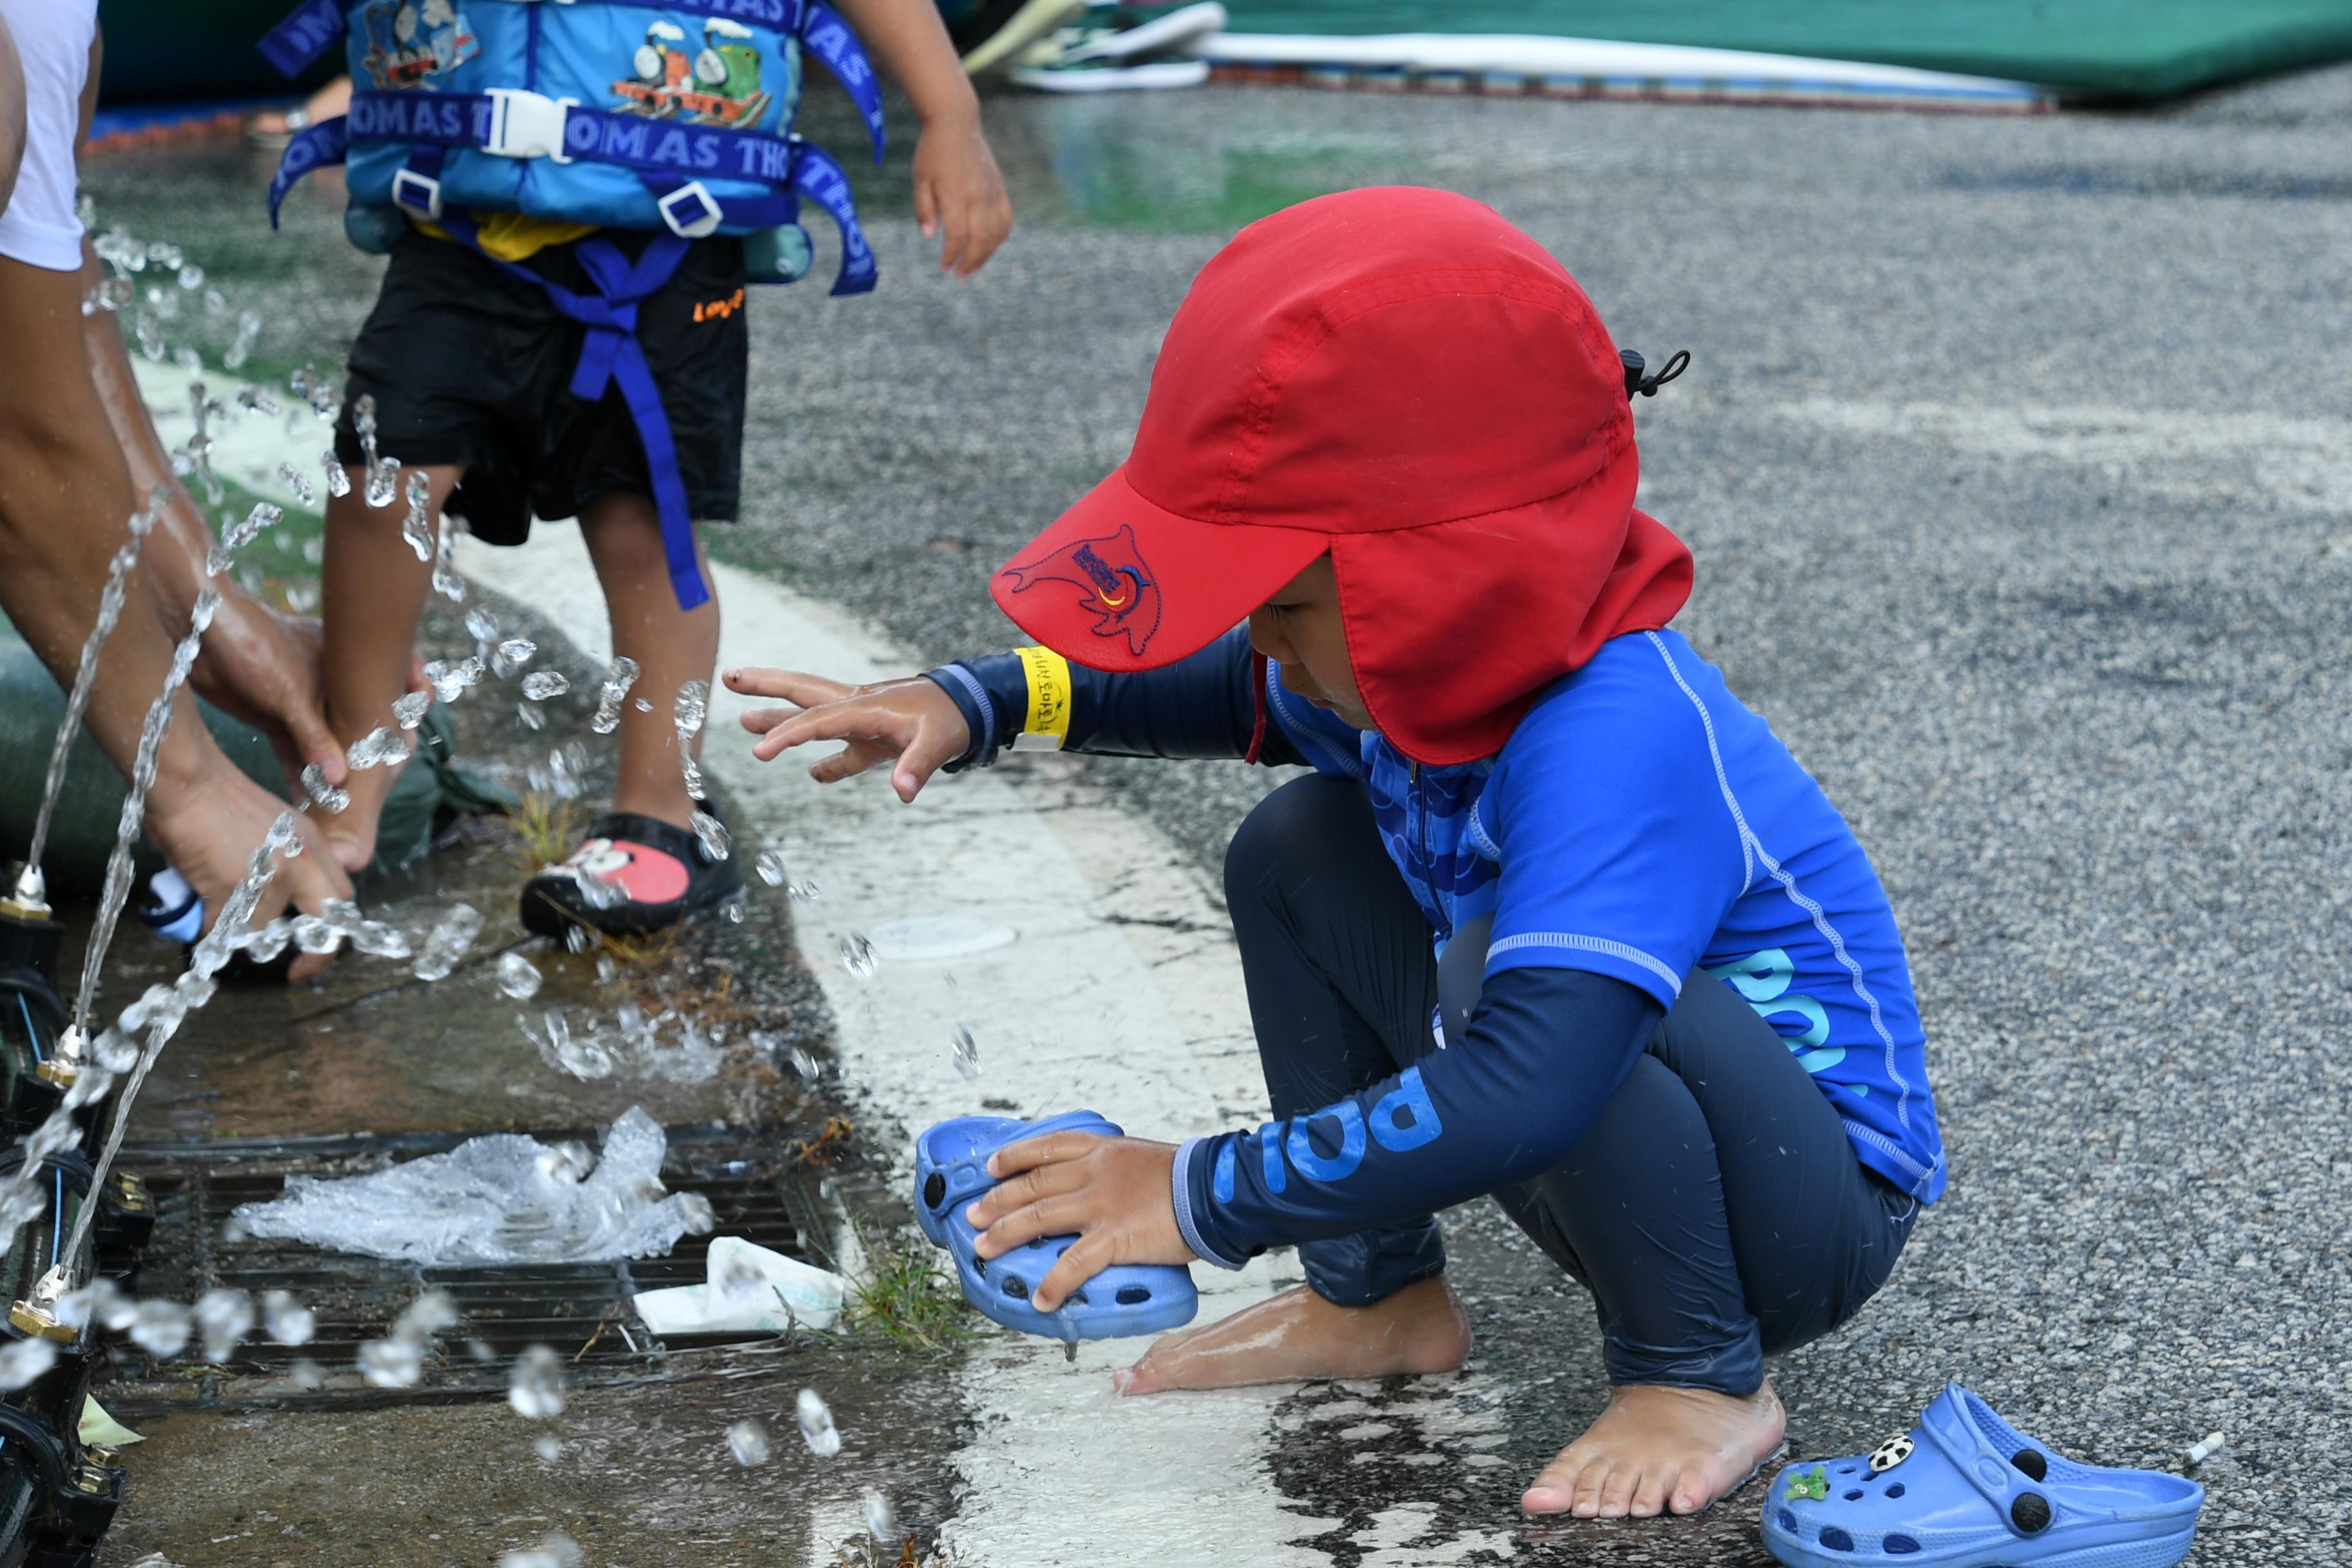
1715 1211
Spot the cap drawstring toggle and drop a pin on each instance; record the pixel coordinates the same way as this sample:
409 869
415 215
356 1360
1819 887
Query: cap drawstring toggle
1647 385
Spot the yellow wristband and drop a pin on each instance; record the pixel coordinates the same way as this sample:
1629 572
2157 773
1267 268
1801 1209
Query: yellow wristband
1046 725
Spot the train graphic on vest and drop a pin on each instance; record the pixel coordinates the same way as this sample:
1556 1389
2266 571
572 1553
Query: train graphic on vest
407 42
716 85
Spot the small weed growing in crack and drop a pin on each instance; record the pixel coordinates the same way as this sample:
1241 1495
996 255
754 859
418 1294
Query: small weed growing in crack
907 1298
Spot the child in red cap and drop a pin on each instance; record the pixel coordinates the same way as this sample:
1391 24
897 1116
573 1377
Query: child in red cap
1555 919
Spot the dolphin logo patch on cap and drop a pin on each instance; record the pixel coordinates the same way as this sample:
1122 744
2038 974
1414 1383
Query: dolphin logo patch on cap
1115 584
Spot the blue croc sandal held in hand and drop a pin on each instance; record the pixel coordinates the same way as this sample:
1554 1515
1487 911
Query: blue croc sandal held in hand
951 1172
1965 1489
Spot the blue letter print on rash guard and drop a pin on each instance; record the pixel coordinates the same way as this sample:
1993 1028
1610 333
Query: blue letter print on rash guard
1640 823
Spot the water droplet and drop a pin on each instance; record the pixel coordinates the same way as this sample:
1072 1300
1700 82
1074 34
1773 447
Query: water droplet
965 1052
409 709
450 937
548 1447
771 866
804 892
515 652
286 1320
881 1520
223 1319
417 528
518 976
858 955
711 834
579 938
535 1384
379 747
816 1425
161 1328
806 1065
542 684
24 1360
324 795
696 1211
554 1550
748 1441
296 481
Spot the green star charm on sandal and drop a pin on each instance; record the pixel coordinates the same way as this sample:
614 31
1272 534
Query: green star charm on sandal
1814 1484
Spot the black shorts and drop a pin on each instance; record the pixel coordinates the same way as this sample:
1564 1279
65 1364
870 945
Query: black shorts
468 364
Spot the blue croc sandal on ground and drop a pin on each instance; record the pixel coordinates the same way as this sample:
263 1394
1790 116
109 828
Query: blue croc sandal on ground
1965 1489
951 1171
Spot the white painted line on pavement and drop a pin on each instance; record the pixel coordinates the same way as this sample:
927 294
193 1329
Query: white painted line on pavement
1122 994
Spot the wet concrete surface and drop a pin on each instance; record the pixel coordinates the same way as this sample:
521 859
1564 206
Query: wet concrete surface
2014 453
242 1466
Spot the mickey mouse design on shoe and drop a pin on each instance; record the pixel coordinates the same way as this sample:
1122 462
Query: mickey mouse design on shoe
952 1171
1965 1489
631 875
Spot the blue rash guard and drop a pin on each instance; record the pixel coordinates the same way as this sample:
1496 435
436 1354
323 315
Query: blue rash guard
1639 827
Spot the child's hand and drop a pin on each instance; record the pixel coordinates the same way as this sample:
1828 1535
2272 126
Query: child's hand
958 187
1111 1193
911 721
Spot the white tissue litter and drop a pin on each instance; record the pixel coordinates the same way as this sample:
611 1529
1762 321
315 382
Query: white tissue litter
498 1199
750 1290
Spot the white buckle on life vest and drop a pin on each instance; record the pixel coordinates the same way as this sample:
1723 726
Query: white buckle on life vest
526 125
697 227
420 193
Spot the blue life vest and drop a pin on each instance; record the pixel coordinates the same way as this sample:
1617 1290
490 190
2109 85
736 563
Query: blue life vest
673 117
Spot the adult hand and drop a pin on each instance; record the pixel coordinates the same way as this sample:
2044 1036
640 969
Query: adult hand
958 188
208 830
263 667
1112 1193
911 722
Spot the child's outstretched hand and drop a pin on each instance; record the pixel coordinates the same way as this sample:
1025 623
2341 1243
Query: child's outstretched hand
957 188
910 722
1112 1193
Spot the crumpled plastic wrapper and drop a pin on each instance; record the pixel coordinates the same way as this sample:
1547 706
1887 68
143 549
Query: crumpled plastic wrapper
503 1198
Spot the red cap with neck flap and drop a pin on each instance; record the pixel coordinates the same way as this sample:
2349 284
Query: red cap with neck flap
1401 379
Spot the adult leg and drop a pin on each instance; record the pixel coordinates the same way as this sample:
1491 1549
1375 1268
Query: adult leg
671 646
1336 956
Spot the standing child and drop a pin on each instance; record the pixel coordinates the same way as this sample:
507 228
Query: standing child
1554 920
574 200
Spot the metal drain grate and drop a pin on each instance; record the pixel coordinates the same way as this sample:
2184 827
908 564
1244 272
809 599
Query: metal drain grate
582 1310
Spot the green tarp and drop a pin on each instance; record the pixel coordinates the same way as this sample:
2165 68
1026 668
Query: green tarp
2118 48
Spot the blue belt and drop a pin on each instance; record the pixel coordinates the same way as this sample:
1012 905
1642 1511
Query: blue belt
610 354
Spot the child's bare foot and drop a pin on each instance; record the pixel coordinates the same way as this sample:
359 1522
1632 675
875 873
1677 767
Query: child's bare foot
350 832
1298 1334
1659 1449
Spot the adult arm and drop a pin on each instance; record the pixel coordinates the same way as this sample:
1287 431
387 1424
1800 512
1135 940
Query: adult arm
12 114
65 494
958 187
256 664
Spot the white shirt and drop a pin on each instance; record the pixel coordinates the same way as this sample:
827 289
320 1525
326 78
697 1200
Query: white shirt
53 39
